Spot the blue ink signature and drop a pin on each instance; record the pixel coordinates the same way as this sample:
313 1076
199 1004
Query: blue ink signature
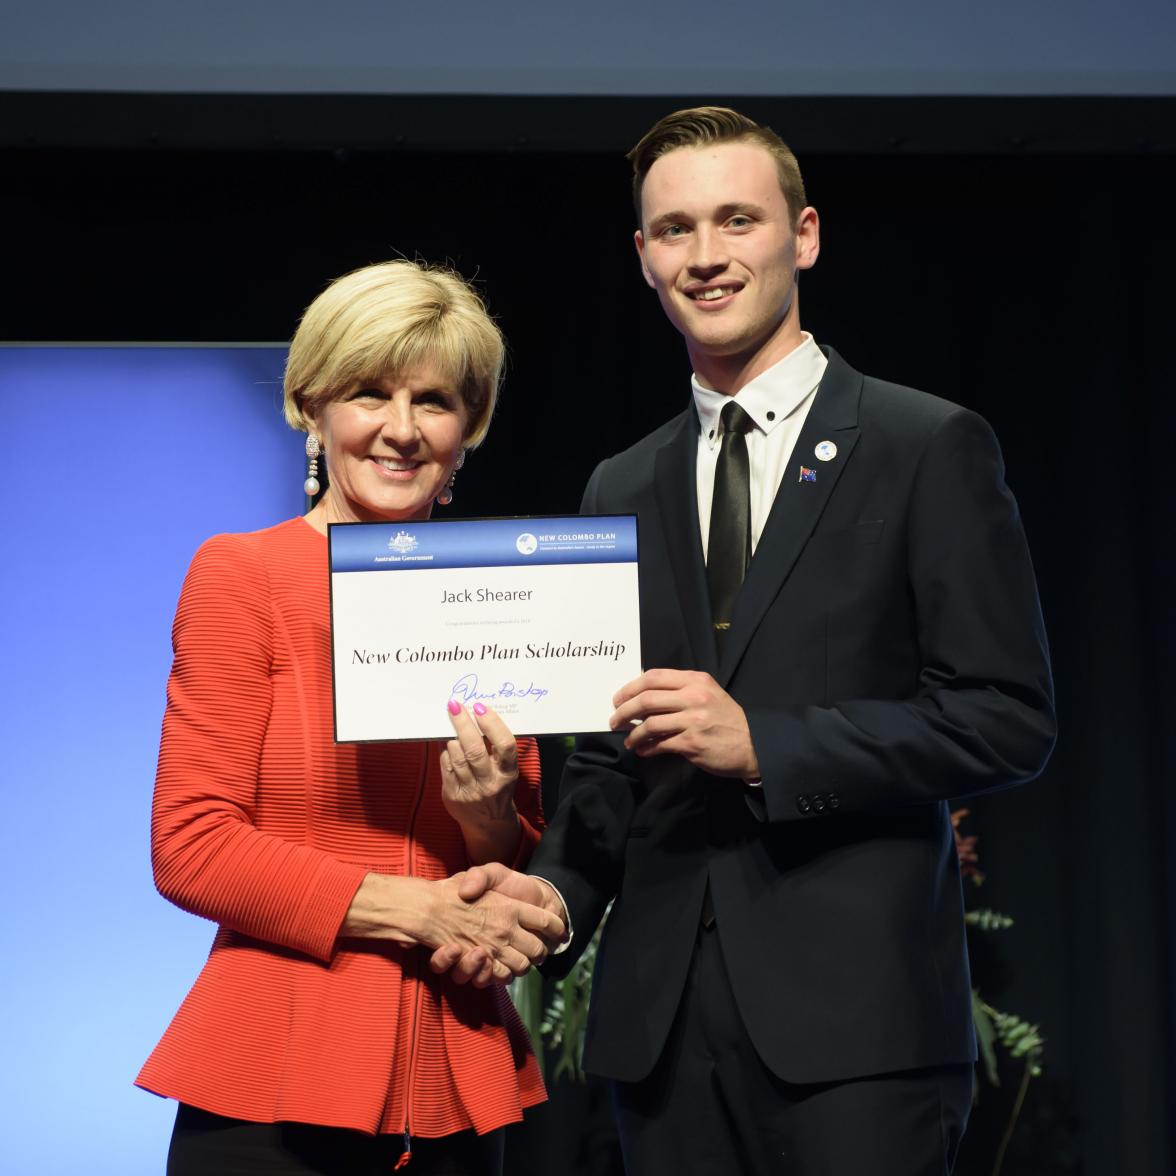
466 690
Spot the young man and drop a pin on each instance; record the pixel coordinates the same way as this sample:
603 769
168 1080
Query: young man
842 629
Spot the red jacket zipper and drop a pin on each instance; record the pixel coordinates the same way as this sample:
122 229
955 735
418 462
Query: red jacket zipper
406 1155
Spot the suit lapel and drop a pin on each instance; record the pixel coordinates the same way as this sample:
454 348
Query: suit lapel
675 485
798 504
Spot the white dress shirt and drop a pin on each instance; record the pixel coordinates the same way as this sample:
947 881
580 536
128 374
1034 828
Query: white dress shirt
778 401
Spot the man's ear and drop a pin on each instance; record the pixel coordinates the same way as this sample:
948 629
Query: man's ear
639 241
808 238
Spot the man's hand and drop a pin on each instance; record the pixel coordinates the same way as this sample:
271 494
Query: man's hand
473 964
686 712
503 936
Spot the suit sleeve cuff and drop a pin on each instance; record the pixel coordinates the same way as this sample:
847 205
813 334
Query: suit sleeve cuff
567 918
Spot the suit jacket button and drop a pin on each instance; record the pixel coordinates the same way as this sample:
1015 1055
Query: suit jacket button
818 803
803 804
834 800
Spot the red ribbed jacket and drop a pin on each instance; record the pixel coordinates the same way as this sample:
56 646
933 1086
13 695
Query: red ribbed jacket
262 823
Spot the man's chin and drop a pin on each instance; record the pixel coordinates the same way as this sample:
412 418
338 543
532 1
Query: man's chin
717 343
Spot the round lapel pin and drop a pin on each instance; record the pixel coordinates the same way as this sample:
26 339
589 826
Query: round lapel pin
825 451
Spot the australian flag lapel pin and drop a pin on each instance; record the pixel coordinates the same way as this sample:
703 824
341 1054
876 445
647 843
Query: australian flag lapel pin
807 475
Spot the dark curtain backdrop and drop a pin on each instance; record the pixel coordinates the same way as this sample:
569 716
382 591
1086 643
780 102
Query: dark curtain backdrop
1035 289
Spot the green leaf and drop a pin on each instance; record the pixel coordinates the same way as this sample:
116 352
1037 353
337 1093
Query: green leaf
988 920
985 1038
527 994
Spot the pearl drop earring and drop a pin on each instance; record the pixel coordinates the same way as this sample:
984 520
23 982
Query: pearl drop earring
445 496
313 449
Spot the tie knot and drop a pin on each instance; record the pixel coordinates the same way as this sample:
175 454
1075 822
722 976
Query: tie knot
734 420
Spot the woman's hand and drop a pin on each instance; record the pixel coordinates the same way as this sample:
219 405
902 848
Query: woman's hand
512 936
491 937
464 965
479 770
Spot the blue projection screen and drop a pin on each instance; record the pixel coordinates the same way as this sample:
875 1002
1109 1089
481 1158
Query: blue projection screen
119 461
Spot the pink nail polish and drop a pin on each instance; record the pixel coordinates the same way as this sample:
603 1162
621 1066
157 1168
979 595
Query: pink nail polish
454 707
479 708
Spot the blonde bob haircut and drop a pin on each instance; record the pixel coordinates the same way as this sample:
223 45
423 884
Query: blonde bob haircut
389 319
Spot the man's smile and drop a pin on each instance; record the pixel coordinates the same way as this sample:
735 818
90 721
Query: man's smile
712 293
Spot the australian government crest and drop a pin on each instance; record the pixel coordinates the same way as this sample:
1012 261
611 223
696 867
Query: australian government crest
402 543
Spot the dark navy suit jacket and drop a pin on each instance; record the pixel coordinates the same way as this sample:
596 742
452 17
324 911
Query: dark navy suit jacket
888 649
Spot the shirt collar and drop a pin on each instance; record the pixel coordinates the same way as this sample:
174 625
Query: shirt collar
772 397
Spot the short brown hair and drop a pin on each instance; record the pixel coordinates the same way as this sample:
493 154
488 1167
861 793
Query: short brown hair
701 125
387 319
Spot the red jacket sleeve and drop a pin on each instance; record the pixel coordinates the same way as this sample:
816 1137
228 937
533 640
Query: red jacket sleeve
207 853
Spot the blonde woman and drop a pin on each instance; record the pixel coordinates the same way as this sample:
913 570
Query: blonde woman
317 1038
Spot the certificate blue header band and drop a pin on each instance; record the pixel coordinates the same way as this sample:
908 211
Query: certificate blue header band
483 543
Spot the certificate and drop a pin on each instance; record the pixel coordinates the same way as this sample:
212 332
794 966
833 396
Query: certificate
535 617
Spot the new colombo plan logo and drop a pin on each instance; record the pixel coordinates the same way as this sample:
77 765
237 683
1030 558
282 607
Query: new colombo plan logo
527 544
402 542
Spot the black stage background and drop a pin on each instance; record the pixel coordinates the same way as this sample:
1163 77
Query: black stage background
1015 256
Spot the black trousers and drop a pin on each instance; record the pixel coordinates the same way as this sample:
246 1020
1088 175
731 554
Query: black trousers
710 1105
204 1144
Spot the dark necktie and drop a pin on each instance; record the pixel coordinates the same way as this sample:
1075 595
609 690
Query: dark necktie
728 551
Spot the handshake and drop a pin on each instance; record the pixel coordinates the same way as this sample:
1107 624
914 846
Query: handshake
506 924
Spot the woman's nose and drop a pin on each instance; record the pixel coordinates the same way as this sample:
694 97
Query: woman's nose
399 427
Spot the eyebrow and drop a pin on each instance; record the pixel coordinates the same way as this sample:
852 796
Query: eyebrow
741 206
667 218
